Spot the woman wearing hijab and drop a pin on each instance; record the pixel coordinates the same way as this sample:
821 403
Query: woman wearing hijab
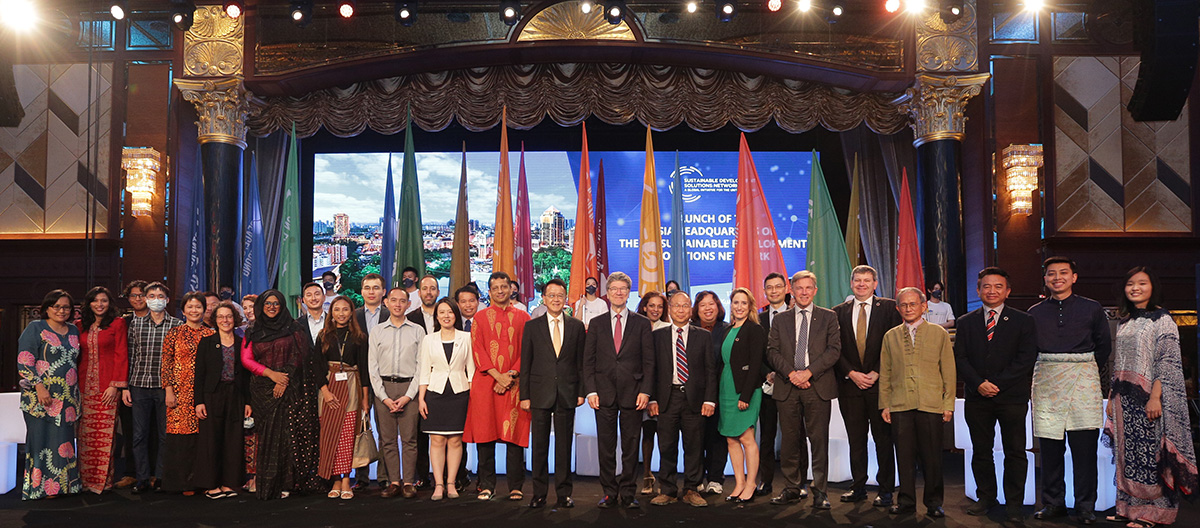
283 396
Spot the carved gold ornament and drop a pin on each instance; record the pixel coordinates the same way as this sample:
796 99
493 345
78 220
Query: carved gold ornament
950 47
567 21
213 47
223 106
937 105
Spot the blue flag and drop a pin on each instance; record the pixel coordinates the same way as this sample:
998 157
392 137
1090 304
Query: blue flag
678 269
253 276
195 278
387 253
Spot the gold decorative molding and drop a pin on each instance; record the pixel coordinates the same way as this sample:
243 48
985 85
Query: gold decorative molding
223 106
950 47
566 21
214 45
937 103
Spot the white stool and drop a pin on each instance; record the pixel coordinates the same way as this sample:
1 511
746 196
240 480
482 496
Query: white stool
12 434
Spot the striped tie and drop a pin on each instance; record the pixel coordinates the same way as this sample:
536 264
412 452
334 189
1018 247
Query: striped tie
991 324
681 369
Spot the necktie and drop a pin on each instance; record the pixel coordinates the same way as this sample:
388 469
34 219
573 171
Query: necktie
681 369
556 338
802 341
991 324
467 326
860 335
617 335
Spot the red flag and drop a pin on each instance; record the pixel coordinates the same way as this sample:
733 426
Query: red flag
908 253
523 255
757 250
601 229
583 241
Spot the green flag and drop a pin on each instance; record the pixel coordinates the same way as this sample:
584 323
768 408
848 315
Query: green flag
289 278
410 240
826 247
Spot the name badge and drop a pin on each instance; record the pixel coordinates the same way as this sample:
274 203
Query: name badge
341 376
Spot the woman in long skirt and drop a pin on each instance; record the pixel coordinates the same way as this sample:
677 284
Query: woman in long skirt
221 396
343 346
103 371
178 379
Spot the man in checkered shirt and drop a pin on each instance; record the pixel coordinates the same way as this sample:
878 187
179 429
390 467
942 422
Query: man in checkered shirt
145 393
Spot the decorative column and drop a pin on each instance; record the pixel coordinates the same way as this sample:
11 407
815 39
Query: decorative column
936 103
212 81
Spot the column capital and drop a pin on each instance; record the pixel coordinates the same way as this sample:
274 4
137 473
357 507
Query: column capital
937 105
223 106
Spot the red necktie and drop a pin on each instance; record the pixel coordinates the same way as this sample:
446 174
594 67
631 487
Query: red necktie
617 335
991 324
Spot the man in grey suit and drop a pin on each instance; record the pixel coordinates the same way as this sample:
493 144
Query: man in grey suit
803 346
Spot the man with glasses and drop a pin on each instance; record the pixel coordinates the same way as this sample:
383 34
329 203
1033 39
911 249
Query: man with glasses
135 293
776 289
146 394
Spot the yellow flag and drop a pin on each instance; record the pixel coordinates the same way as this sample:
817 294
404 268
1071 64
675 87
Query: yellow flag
502 235
650 264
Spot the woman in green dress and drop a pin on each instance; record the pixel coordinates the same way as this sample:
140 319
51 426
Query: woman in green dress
740 393
47 357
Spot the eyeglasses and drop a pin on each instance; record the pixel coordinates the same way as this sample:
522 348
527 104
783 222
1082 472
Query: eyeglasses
555 296
224 317
618 288
271 303
137 296
60 307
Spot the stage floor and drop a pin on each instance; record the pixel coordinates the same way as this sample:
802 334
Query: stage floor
121 508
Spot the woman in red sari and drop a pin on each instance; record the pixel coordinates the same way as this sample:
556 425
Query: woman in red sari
103 369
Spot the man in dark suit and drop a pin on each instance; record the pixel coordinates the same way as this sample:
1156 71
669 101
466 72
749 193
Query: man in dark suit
551 355
776 288
863 321
685 393
804 344
424 315
312 318
995 350
372 313
618 373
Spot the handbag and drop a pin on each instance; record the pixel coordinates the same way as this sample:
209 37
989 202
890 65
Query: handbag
365 450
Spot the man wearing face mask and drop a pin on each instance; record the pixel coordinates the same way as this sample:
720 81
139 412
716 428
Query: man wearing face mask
408 281
146 394
939 312
329 284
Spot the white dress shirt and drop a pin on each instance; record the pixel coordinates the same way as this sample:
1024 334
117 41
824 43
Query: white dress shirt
870 302
314 325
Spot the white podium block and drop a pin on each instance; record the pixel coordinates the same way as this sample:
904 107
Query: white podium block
8 466
873 464
1030 497
587 461
1106 488
839 460
962 435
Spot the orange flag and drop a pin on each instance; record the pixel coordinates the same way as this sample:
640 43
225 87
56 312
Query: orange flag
502 236
757 251
908 253
650 262
583 251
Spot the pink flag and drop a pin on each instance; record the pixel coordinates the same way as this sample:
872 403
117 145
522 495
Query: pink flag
757 252
523 255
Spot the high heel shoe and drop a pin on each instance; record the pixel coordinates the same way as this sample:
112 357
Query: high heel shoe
452 492
438 490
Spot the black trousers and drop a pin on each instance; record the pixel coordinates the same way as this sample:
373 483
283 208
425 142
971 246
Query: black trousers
124 449
981 417
804 419
630 420
674 420
860 411
1083 458
768 428
220 456
563 418
514 465
919 436
716 450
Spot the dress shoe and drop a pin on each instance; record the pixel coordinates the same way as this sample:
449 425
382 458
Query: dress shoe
423 484
462 483
883 500
140 487
125 482
391 491
763 490
1087 517
662 499
694 499
566 502
854 496
632 504
936 513
156 484
537 502
980 507
821 502
787 497
1014 515
607 502
408 491
1050 512
897 509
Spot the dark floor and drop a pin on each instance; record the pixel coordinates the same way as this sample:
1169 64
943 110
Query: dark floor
368 509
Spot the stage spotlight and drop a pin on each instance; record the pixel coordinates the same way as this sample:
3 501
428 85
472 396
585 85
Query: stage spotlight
510 11
234 8
804 6
406 13
914 7
726 10
892 6
183 14
837 10
950 10
118 10
774 5
301 12
1034 5
18 15
346 8
585 6
614 11
691 7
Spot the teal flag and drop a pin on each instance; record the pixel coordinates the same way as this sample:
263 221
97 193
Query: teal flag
387 253
678 269
826 246
410 242
289 278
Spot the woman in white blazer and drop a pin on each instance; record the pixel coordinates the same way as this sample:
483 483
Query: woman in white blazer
444 366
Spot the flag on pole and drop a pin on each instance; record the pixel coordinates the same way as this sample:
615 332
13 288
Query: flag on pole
197 265
679 262
289 278
387 252
583 243
650 262
460 255
253 277
757 253
523 257
502 239
826 249
410 237
908 251
601 213
853 242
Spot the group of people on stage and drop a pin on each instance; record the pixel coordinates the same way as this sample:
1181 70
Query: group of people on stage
231 390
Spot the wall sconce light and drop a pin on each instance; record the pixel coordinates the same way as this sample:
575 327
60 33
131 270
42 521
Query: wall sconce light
143 164
1021 164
